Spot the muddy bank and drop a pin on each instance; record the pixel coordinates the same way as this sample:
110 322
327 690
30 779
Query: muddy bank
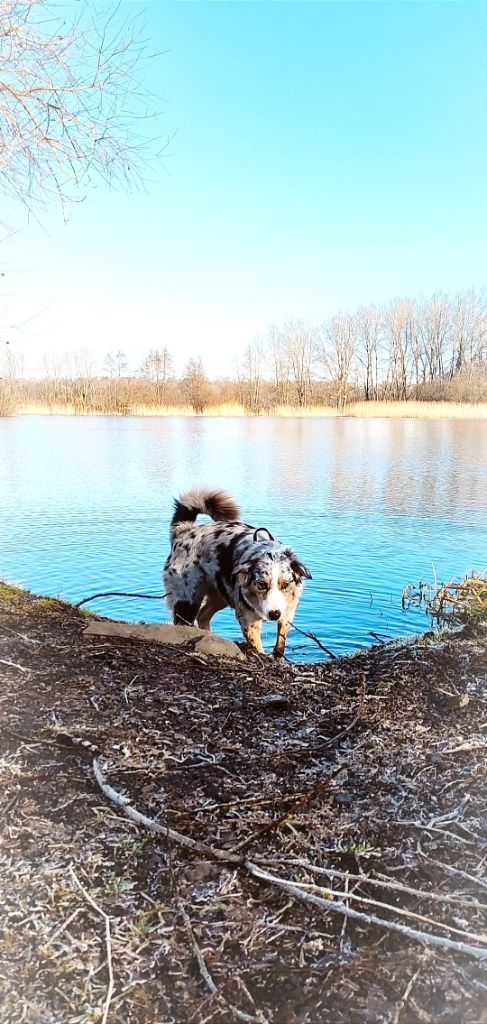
359 784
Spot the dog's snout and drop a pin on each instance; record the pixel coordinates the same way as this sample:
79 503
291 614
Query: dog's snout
275 615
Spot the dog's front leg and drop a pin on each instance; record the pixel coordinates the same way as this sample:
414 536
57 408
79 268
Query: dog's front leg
251 632
283 627
282 632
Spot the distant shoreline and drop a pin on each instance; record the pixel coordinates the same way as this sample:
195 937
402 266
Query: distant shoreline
355 410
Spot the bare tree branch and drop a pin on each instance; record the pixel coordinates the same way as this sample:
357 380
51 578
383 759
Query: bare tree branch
71 99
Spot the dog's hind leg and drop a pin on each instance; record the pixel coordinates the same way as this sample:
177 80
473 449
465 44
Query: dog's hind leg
185 613
213 603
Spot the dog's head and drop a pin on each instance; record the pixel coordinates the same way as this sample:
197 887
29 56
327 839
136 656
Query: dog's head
271 582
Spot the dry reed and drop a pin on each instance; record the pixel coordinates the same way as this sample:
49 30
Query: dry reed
456 602
358 410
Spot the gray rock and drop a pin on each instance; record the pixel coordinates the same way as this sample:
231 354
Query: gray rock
343 799
275 702
198 640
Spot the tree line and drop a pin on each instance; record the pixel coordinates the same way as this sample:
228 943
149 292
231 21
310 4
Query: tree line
432 349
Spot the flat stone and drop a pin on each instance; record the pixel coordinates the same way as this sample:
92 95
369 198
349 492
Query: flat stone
434 757
199 640
218 647
343 799
275 702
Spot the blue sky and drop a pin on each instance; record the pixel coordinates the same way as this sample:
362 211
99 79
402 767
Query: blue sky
323 155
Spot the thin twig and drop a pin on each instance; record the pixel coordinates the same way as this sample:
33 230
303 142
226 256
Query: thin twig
407 991
453 871
13 664
344 923
334 739
423 827
311 636
205 974
119 593
262 801
108 941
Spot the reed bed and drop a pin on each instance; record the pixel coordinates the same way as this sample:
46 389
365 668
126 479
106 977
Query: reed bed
356 410
419 410
457 602
460 601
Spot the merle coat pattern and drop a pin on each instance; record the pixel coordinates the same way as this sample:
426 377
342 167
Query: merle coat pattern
228 562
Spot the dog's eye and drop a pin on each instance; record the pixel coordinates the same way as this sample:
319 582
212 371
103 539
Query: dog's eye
285 584
262 585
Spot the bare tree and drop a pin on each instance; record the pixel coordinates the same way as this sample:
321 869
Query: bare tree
435 319
195 385
369 327
300 342
116 365
250 376
157 366
82 379
12 366
468 330
71 101
400 330
338 350
11 373
279 357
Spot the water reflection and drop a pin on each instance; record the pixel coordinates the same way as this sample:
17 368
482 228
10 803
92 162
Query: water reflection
369 504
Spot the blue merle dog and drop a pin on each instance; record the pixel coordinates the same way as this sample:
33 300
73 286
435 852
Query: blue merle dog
228 562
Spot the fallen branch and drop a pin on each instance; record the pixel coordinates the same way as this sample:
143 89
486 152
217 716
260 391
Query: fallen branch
283 884
401 911
427 938
380 883
123 803
407 992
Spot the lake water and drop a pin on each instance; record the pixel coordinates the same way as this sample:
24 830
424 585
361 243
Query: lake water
368 504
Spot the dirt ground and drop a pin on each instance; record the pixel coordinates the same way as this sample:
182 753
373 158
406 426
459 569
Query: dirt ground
357 783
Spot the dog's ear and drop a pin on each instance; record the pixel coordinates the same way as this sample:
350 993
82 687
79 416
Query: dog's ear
299 569
262 529
243 573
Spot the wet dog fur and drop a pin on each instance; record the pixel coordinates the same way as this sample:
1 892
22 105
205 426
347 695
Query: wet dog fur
228 562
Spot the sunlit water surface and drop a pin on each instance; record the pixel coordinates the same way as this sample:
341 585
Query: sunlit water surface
368 504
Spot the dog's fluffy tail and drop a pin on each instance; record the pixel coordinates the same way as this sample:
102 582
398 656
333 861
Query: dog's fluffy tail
217 504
